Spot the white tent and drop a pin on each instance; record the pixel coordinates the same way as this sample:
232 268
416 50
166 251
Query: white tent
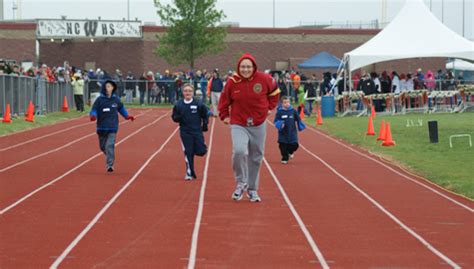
415 32
460 65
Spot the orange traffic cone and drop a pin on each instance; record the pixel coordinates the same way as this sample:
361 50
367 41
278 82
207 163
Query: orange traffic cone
302 116
319 121
370 127
372 112
30 114
6 115
65 107
382 131
388 137
30 109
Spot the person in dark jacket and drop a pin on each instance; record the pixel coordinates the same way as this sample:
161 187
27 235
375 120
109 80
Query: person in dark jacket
325 85
310 89
216 89
385 82
192 116
129 88
142 86
282 86
367 85
105 110
288 122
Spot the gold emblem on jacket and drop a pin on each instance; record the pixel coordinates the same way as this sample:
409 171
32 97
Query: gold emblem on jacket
257 88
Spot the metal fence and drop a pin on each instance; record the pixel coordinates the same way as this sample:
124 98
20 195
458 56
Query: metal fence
47 97
143 91
446 96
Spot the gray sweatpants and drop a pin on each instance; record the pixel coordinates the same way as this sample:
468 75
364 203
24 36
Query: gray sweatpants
248 146
107 146
215 96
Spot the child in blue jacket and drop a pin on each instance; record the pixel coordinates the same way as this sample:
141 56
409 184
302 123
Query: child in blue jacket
288 122
105 110
193 117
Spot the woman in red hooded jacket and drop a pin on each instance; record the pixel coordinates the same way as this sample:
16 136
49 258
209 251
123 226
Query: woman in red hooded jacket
247 99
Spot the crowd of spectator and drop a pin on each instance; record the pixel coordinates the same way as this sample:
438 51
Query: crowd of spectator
157 88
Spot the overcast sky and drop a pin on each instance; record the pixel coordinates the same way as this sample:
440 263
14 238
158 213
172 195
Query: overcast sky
250 13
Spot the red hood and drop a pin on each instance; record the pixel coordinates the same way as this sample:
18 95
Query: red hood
250 57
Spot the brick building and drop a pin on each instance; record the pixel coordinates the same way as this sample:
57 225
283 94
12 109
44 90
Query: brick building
273 49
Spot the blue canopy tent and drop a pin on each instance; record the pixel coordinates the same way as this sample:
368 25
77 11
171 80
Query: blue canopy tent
321 60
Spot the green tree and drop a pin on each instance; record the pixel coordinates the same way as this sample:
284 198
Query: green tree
192 32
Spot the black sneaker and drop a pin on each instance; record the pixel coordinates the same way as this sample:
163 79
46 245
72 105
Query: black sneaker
110 169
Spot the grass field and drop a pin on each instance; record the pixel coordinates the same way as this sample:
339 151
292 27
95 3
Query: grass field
451 168
19 124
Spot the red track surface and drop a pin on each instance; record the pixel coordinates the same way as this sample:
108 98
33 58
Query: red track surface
151 223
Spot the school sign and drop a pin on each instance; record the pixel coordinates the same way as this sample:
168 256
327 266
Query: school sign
71 29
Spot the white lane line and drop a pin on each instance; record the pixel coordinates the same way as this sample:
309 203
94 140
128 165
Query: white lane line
24 198
301 224
44 136
51 151
54 133
397 172
197 223
390 215
41 127
91 224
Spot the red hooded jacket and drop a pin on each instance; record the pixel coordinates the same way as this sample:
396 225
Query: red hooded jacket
244 98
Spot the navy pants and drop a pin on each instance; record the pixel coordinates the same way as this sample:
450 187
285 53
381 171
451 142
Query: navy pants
193 144
287 149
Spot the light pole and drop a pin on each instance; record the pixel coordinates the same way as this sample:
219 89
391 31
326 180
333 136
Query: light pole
273 13
442 11
128 10
463 14
14 9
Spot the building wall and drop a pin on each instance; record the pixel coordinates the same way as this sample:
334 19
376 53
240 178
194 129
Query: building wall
109 55
269 46
17 41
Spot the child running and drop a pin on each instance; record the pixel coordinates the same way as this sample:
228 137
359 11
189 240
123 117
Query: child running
105 111
193 117
287 121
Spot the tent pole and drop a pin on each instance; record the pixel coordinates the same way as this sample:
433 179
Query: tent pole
350 76
345 78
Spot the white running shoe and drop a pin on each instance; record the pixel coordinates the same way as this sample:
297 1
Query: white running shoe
284 162
254 197
239 191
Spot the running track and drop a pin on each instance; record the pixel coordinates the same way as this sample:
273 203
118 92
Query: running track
333 206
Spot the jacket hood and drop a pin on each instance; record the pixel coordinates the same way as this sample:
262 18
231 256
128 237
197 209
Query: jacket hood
239 76
103 92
